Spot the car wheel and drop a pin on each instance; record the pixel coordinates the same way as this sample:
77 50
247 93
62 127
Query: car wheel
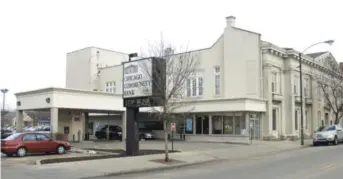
335 142
315 144
21 152
61 149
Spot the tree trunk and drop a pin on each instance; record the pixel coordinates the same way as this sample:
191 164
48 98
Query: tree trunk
166 157
336 120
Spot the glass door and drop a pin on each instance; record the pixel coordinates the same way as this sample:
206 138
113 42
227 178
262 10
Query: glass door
255 127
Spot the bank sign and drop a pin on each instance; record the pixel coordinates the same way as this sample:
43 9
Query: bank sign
137 81
144 82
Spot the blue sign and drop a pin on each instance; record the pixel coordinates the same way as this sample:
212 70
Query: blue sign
189 125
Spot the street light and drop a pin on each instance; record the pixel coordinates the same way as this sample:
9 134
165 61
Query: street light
4 91
330 42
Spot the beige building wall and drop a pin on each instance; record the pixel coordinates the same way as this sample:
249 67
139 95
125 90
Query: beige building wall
83 67
248 69
75 122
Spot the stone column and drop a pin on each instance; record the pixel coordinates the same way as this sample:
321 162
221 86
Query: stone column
210 124
54 121
19 121
123 127
283 108
87 134
305 122
269 96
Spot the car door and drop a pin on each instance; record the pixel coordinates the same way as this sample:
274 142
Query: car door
30 142
44 143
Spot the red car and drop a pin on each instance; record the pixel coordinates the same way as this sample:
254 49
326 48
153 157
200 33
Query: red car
23 143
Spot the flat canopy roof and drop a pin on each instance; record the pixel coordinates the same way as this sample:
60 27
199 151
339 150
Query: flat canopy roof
65 98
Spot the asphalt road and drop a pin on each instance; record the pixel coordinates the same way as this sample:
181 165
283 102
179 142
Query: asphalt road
312 163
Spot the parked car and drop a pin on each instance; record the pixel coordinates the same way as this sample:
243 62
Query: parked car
5 133
115 132
319 129
43 129
30 129
32 142
146 134
328 134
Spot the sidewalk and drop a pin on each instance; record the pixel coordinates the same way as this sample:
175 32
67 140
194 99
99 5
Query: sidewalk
116 166
184 146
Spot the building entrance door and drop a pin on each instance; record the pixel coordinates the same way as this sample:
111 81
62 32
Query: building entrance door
255 126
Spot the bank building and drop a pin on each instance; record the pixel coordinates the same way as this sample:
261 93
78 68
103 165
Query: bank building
242 81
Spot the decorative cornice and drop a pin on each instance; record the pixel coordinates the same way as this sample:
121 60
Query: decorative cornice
274 50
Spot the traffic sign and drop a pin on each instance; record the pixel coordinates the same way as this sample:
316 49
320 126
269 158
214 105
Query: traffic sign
173 126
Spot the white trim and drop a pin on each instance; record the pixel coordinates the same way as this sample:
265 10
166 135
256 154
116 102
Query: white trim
69 99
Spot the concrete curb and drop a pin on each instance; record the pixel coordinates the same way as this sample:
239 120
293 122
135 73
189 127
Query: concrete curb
169 167
74 159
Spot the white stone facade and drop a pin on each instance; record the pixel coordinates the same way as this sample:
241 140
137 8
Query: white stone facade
244 80
282 91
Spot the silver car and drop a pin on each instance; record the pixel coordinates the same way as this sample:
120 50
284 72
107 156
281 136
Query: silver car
328 134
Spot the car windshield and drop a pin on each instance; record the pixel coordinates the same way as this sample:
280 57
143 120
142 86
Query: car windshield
320 128
329 128
13 136
101 127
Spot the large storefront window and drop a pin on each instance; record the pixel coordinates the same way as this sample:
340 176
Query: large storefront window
239 124
150 125
217 124
202 125
234 123
228 125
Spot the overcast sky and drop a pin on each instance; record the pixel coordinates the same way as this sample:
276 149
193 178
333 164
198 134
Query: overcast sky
36 35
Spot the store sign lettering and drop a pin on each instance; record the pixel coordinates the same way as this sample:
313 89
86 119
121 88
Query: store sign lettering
137 80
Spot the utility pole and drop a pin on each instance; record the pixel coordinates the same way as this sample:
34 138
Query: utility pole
301 103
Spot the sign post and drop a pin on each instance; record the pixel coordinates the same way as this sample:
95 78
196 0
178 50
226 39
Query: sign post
173 128
143 86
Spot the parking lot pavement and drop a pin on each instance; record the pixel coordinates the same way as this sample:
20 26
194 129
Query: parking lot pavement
156 144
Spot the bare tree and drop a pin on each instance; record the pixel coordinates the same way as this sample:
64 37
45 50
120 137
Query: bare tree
330 83
180 66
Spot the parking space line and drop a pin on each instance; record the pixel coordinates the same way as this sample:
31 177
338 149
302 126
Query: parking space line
328 166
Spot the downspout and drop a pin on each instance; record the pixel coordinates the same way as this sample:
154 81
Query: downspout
261 86
261 68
